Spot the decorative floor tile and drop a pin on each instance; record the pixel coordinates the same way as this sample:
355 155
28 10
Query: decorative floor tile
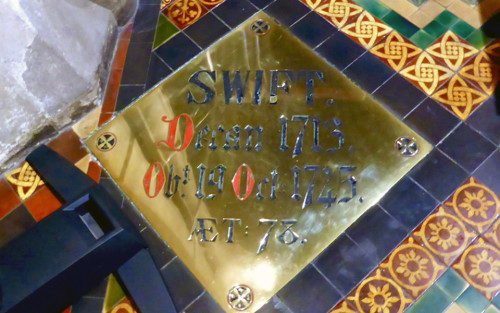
434 300
452 284
413 267
25 181
366 30
125 306
460 96
476 204
342 307
493 234
185 12
209 4
493 50
453 50
165 3
445 235
480 266
482 72
379 294
426 73
396 51
337 12
42 204
471 301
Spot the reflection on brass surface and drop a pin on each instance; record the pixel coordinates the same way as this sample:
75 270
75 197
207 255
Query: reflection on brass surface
252 158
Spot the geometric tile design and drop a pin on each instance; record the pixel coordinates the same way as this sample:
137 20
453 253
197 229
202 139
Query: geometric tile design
480 266
185 12
445 235
396 51
337 12
342 307
482 72
452 50
366 30
25 180
475 204
413 267
493 234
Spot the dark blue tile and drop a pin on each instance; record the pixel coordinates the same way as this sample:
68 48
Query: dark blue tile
182 285
467 147
432 120
486 119
135 70
377 233
98 291
88 305
145 22
344 264
438 175
160 252
408 203
274 306
176 51
204 304
313 29
399 95
369 72
287 12
489 172
340 50
157 71
133 215
127 95
15 223
261 3
309 292
206 30
233 12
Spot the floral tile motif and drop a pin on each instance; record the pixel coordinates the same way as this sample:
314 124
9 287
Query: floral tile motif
185 12
413 267
453 50
366 30
125 306
25 181
379 294
396 51
493 234
338 12
482 72
426 73
476 204
480 266
342 307
445 235
460 96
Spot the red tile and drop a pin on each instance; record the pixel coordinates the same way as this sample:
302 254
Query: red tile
210 4
366 30
184 12
120 54
42 204
94 171
339 13
452 50
493 234
25 181
104 118
69 146
109 102
396 51
10 200
68 310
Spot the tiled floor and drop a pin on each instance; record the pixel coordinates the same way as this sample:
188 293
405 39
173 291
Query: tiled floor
431 244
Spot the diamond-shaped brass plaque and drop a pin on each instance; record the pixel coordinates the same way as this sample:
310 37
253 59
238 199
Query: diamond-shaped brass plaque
252 158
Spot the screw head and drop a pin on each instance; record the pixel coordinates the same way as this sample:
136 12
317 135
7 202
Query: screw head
106 141
260 27
407 146
240 297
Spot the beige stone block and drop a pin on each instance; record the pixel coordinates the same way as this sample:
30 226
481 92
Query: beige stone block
403 7
432 9
468 13
445 3
420 19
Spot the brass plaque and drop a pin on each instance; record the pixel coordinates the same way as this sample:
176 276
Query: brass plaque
252 158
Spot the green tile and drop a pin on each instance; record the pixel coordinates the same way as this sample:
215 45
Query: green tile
496 301
435 29
452 283
472 301
447 19
114 294
434 300
418 2
376 8
462 29
478 39
164 31
492 309
399 23
422 39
